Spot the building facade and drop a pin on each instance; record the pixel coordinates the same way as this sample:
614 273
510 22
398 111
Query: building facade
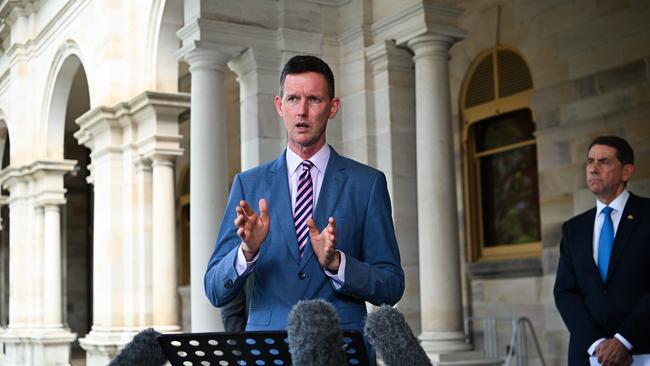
115 114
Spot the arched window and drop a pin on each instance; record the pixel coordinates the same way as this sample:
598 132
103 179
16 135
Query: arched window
500 158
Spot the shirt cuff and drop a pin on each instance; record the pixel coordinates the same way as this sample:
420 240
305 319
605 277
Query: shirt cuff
594 345
241 266
627 344
338 278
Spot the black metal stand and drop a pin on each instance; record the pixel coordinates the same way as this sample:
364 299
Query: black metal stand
245 349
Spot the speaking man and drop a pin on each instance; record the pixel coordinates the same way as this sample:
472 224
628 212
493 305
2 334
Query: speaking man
310 224
602 288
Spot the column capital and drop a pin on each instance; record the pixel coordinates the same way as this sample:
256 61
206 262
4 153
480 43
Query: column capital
207 56
159 158
142 163
387 54
431 45
253 59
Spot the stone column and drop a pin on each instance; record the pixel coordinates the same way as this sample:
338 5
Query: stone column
394 103
134 242
208 175
52 265
143 254
258 73
164 279
441 305
36 333
18 241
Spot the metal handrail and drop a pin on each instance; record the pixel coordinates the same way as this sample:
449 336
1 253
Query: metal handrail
517 345
518 342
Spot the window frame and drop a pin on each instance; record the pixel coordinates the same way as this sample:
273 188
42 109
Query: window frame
470 116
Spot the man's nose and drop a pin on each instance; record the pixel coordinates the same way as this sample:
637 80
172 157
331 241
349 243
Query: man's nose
303 107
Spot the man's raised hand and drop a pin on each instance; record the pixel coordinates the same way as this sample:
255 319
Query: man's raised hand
252 228
324 244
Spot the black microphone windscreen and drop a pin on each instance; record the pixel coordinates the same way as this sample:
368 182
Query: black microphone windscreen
314 335
387 330
143 350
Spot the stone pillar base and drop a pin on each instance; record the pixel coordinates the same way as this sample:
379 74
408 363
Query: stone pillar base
444 342
475 358
37 346
102 346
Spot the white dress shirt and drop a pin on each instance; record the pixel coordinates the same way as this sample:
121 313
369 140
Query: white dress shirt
617 205
294 169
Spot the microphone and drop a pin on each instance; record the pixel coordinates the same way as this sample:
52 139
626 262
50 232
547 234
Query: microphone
143 350
387 330
314 335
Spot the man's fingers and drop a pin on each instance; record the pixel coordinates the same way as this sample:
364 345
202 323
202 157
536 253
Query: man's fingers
264 209
248 210
312 227
332 223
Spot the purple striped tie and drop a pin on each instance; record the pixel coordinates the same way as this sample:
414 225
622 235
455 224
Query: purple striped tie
304 204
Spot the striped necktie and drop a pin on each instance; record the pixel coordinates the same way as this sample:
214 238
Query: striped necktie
304 205
605 242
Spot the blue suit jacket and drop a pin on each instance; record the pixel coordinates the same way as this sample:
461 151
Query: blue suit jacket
357 197
593 309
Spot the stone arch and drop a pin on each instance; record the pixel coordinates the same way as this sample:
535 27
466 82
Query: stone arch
5 133
66 64
4 225
162 43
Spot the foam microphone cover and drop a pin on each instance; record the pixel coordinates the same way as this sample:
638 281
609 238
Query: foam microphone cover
143 350
314 335
387 330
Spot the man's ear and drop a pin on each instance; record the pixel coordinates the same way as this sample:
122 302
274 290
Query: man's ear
334 108
628 170
278 105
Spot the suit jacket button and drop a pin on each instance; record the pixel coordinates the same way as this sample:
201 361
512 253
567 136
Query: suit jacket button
228 284
302 275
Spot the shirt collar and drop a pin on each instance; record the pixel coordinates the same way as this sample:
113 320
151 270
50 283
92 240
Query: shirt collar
618 204
319 159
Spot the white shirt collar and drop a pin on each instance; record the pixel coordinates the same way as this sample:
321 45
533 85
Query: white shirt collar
319 159
618 204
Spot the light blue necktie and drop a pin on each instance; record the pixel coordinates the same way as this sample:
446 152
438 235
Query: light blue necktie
605 243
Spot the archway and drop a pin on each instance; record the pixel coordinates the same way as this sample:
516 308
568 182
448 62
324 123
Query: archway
4 232
78 216
69 100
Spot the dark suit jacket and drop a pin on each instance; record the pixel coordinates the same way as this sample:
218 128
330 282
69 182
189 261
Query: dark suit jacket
592 309
356 196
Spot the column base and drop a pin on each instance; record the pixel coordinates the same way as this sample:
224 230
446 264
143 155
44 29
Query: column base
102 346
444 342
473 358
36 346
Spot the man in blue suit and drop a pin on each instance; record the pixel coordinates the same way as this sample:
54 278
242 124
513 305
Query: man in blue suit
323 227
602 288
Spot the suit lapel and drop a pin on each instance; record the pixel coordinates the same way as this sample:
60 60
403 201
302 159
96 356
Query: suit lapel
328 196
280 204
625 227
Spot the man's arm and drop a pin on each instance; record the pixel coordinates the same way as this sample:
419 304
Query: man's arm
636 325
377 276
221 281
570 302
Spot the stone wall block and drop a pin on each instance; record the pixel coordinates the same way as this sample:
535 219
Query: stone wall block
561 180
586 87
552 154
622 77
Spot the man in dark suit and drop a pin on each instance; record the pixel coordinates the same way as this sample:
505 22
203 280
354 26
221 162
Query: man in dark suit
323 228
602 288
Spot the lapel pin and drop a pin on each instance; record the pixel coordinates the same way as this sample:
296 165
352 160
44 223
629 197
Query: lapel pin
630 217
